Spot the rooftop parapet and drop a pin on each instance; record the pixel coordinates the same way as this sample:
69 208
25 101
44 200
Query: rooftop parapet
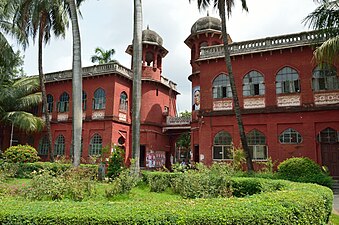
91 71
264 44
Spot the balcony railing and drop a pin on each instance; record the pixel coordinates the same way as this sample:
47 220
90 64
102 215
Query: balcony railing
178 120
91 71
264 44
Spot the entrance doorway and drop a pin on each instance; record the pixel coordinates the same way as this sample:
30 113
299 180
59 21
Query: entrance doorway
196 153
329 144
142 159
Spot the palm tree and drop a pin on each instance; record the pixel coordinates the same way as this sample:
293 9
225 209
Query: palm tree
137 71
325 18
224 6
103 56
16 100
76 80
42 18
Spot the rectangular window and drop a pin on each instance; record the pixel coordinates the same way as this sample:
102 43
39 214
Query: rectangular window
259 152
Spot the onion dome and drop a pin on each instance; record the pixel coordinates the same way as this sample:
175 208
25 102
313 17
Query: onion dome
151 37
206 23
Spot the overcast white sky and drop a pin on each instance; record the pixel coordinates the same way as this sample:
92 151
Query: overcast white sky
109 24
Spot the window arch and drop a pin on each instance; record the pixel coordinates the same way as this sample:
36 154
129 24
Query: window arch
257 144
63 105
84 100
328 135
287 81
99 100
59 146
325 78
49 103
290 136
222 87
95 145
253 84
123 102
222 146
43 146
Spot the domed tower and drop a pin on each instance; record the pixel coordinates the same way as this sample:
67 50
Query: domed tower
152 54
206 31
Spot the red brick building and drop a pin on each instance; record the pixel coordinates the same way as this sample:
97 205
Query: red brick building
290 105
107 99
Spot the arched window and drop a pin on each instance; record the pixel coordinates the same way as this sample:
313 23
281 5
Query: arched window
99 100
43 146
149 58
257 144
123 102
222 146
84 101
59 146
290 136
325 78
49 103
287 81
253 84
222 87
328 135
95 145
63 105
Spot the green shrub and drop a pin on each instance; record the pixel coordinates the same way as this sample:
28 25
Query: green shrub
21 154
296 204
122 184
303 170
115 163
159 181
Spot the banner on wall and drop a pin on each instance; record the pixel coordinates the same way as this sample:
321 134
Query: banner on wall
155 159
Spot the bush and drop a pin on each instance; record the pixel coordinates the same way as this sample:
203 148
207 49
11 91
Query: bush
159 181
298 203
303 170
115 163
122 184
21 154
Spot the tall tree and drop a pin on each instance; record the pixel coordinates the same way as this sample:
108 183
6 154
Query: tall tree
103 56
17 97
42 18
76 80
137 71
225 6
325 18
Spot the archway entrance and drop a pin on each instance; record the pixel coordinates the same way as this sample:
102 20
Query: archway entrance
329 144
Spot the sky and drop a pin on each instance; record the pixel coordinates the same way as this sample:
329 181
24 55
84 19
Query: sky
109 24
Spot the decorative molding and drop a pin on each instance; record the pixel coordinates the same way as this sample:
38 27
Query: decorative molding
122 117
98 115
254 103
222 105
288 100
178 120
62 117
326 98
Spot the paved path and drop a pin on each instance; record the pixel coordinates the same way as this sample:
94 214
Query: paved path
336 204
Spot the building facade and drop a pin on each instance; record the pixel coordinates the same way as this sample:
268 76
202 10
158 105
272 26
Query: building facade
107 110
289 105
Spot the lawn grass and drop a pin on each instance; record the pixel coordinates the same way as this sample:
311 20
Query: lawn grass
334 220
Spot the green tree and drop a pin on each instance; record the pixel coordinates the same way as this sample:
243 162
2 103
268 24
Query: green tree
41 18
137 71
225 6
72 7
16 100
103 56
325 18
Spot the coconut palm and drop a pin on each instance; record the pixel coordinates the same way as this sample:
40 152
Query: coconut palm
71 7
325 18
16 100
137 70
41 18
225 6
103 56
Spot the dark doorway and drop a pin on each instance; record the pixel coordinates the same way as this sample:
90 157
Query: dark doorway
142 159
196 153
330 158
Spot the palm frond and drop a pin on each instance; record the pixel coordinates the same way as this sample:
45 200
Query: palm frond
24 121
328 51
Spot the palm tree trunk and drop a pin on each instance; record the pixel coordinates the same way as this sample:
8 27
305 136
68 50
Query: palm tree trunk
137 70
44 96
234 90
76 85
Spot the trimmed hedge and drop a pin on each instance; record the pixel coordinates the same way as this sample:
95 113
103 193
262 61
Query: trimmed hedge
159 181
296 203
24 170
